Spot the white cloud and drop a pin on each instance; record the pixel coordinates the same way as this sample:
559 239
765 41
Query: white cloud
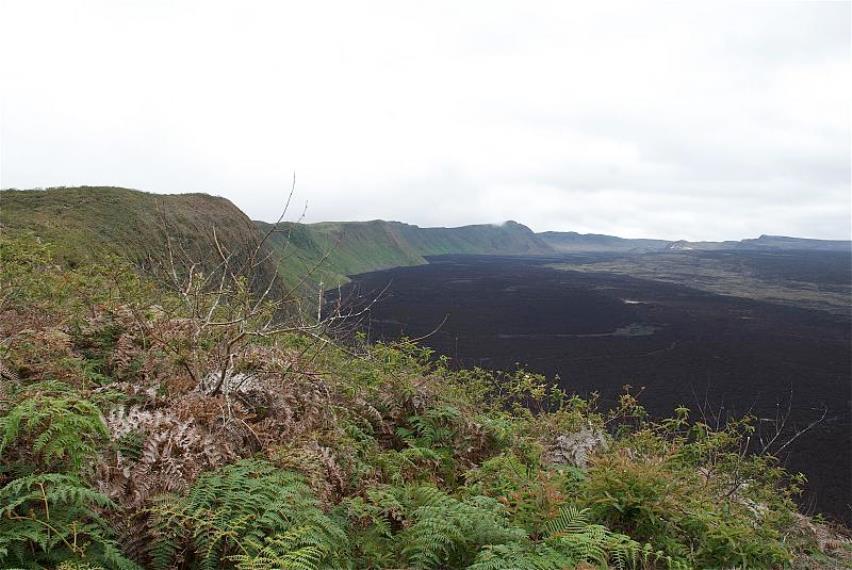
671 120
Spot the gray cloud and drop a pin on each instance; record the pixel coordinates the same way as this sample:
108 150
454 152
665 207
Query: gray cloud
673 120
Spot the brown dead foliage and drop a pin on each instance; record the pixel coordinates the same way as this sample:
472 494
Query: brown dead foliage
44 354
168 454
832 542
168 426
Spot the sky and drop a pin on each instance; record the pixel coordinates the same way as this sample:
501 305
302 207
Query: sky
676 120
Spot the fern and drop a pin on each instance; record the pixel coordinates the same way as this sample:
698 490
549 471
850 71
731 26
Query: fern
300 548
131 445
78 566
570 520
61 429
372 522
572 533
447 532
571 540
522 556
53 518
249 513
430 439
436 427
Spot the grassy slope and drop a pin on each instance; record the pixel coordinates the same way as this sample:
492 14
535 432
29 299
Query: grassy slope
83 222
328 252
510 238
123 220
86 220
348 248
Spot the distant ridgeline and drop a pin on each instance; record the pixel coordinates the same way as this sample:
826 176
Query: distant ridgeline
84 221
568 242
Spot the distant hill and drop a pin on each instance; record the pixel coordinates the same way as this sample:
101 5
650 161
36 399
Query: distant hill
785 242
683 245
764 242
509 238
573 242
568 242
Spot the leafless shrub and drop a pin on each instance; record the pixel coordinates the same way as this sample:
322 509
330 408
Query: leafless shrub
231 305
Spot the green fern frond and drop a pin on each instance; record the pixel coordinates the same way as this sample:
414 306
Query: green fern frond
447 531
570 520
54 518
248 512
522 556
60 428
300 548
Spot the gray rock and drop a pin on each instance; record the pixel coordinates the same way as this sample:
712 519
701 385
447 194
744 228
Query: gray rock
576 448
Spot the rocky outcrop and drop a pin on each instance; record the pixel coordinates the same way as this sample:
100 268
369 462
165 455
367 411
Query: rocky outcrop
576 448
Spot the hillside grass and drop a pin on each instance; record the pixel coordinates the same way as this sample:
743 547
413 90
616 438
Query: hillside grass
509 238
331 251
86 224
86 220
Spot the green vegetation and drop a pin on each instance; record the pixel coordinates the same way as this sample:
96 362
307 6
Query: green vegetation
250 512
510 238
87 223
142 430
84 223
115 454
572 242
330 251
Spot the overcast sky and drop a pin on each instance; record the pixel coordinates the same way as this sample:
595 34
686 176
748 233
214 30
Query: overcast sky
640 119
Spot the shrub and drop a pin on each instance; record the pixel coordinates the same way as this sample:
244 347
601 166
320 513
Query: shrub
694 494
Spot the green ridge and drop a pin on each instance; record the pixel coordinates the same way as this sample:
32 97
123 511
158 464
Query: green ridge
86 221
348 248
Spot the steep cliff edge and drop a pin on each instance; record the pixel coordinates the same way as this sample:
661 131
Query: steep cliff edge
329 251
84 222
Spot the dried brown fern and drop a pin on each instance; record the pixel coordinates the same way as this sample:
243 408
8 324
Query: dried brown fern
171 454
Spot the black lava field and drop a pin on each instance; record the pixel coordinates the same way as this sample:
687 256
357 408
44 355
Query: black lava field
599 332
